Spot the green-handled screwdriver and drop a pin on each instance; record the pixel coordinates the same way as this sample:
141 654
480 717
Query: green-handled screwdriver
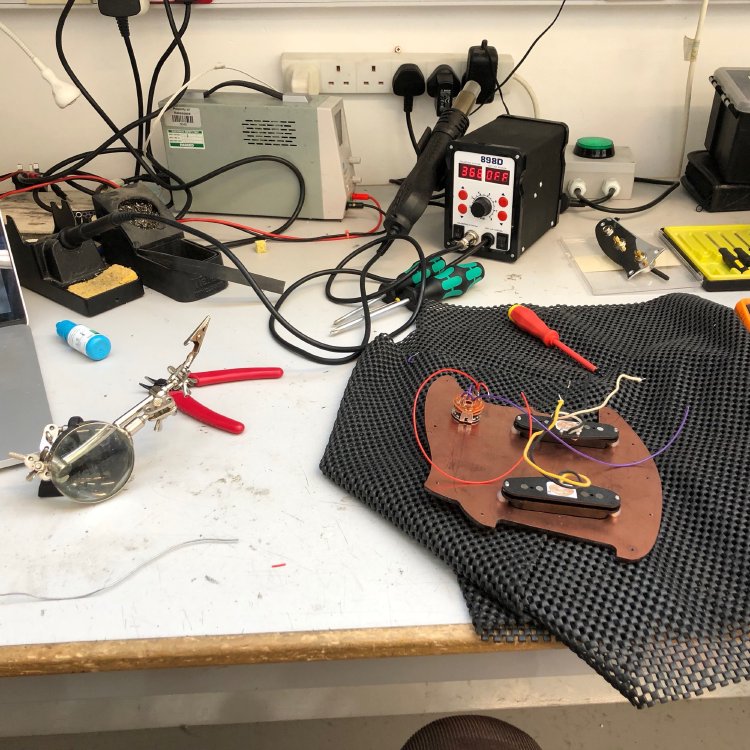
452 282
412 275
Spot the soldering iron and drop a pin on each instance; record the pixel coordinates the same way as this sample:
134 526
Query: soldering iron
416 190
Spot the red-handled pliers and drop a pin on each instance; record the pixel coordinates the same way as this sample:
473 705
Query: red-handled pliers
188 405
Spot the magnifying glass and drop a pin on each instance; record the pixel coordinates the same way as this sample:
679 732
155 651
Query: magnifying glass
91 462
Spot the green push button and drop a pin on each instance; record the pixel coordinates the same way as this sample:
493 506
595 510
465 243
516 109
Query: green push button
594 147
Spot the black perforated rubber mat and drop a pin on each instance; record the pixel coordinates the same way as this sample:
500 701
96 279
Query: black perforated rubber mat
672 625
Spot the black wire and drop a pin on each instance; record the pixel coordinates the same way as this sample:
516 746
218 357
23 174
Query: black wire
412 137
531 47
389 284
118 133
260 235
245 84
630 209
610 194
351 352
653 181
502 99
356 350
138 91
176 42
39 202
77 82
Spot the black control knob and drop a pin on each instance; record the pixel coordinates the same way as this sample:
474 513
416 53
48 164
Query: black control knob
481 207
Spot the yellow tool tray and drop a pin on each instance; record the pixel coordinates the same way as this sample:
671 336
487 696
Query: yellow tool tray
699 247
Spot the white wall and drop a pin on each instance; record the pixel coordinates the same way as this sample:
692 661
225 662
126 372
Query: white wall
615 71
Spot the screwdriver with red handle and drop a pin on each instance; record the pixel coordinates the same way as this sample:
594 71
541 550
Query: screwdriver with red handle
527 320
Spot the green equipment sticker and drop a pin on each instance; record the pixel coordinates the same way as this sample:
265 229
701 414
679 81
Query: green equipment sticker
185 138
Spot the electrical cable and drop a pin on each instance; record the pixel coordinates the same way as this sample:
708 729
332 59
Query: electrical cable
590 410
610 194
262 233
118 581
564 477
653 181
138 90
245 84
389 284
37 186
176 43
353 351
421 447
356 350
531 47
76 81
502 100
629 209
524 84
694 46
670 442
412 137
175 96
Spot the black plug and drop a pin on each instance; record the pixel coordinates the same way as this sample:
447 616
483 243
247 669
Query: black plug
443 85
481 66
121 10
408 81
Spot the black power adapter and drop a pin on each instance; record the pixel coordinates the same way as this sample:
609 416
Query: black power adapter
481 66
443 85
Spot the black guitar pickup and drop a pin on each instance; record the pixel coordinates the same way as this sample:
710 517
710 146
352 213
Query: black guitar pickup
581 434
545 496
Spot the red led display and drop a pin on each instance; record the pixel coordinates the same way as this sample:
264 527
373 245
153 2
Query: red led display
499 176
469 171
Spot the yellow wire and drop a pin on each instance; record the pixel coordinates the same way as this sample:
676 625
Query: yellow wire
567 478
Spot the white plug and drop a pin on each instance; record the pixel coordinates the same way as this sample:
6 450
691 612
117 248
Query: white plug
303 79
576 184
611 185
65 93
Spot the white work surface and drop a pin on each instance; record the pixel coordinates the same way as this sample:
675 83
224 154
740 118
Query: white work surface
308 557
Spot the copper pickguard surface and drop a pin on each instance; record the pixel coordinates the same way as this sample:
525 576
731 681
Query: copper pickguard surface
487 449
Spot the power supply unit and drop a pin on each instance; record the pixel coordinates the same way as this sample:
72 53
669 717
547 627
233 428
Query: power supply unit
203 133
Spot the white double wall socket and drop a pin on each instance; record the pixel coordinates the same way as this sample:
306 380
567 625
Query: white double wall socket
365 72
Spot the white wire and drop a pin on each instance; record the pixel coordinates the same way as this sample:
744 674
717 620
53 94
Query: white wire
218 66
249 75
108 586
157 119
526 85
14 38
590 410
689 85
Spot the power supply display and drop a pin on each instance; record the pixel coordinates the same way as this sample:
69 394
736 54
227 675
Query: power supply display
505 182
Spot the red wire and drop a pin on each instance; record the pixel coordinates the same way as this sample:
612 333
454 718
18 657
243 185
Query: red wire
345 235
89 177
419 442
8 175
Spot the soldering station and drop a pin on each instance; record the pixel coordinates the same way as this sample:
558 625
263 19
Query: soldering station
566 426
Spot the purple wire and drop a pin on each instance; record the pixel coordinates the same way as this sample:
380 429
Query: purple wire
661 450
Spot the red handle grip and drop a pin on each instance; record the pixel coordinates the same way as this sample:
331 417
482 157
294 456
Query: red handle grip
527 320
213 377
191 407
